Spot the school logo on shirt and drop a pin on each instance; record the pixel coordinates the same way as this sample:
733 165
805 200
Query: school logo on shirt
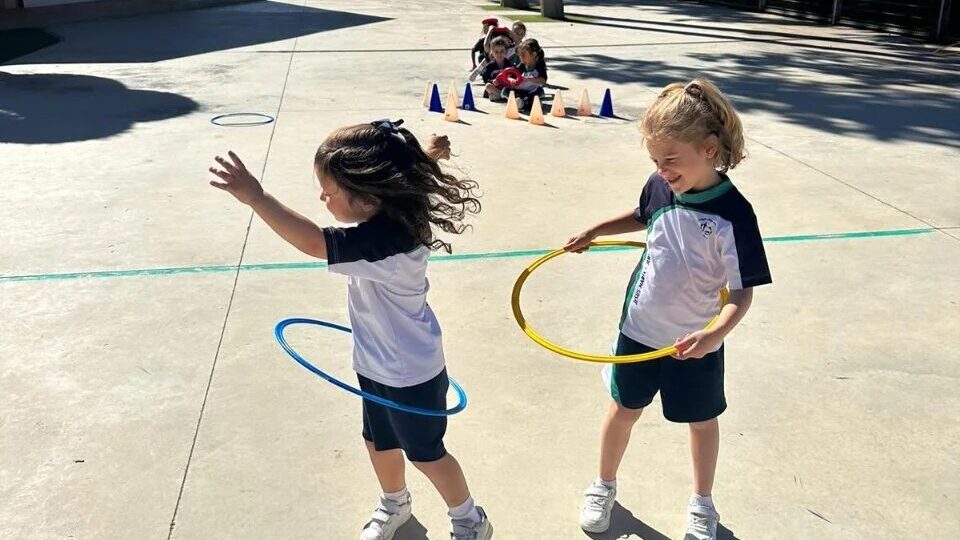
707 226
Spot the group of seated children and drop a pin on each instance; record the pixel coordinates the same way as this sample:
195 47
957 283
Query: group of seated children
507 62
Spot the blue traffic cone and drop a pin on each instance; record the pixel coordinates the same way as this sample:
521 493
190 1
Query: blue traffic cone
606 109
468 104
435 105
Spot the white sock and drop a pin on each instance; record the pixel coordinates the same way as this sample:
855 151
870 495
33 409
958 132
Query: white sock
611 484
397 496
701 500
467 510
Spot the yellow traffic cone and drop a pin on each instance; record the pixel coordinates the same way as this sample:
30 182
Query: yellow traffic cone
558 109
512 112
585 109
536 112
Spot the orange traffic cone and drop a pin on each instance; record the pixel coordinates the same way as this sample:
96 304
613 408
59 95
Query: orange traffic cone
451 114
585 109
426 95
558 109
536 112
512 112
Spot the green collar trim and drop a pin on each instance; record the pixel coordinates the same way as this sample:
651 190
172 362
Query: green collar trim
724 186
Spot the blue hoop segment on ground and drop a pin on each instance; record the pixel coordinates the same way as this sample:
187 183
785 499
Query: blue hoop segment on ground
278 333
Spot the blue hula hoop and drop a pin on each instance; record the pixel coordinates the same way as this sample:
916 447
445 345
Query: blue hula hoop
278 333
263 119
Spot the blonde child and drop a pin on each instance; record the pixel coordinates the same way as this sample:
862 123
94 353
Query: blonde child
702 236
378 176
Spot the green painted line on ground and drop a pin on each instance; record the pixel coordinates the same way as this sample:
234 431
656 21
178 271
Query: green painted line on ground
151 272
849 235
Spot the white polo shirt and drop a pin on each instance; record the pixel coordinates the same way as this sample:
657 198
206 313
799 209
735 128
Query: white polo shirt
697 243
396 337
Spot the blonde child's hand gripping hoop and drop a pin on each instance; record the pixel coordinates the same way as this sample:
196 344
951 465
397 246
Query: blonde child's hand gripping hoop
547 344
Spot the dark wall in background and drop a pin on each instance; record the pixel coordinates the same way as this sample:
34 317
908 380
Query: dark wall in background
918 18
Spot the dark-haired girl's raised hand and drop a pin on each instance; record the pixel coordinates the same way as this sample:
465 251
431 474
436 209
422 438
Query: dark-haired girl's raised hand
237 180
438 146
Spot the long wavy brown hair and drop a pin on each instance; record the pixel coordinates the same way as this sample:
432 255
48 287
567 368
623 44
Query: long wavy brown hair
386 166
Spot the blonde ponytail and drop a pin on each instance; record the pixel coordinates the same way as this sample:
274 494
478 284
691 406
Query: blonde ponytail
693 112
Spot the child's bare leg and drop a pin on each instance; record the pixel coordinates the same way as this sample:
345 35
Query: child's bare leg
614 439
704 449
388 465
447 476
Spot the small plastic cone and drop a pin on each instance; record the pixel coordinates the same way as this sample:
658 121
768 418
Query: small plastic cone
536 112
467 104
435 104
558 109
426 96
451 114
606 107
585 109
512 112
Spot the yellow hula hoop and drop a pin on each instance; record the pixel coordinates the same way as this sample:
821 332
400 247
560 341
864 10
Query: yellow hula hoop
549 345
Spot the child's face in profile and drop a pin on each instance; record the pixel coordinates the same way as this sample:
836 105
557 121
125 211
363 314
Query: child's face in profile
486 28
527 57
340 204
499 54
683 165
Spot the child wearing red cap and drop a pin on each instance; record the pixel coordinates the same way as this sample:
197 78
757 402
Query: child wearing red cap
479 52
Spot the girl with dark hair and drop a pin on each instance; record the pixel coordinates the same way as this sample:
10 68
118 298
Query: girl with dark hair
533 67
378 176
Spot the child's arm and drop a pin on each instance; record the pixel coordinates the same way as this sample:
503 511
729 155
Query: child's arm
699 343
488 39
619 224
304 234
477 47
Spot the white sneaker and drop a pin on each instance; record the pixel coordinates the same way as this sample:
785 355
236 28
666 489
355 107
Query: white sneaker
386 519
703 523
467 529
597 505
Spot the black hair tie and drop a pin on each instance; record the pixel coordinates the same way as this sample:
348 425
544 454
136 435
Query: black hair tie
389 127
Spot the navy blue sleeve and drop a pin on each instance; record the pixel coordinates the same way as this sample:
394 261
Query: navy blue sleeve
640 213
643 211
365 250
741 245
752 258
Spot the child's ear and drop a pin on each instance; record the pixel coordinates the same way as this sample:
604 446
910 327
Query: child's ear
370 203
711 146
364 203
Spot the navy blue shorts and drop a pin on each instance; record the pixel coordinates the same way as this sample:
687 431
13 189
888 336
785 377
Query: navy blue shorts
420 437
690 390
